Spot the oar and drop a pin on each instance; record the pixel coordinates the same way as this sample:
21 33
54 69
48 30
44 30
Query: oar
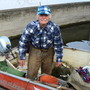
10 64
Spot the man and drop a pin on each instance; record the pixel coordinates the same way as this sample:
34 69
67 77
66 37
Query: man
44 37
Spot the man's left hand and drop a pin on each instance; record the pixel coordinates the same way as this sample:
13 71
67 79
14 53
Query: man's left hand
58 64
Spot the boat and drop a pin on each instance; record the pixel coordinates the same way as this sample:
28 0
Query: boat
77 54
13 82
13 78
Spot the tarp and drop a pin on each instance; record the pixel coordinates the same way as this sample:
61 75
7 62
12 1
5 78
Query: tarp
4 67
77 81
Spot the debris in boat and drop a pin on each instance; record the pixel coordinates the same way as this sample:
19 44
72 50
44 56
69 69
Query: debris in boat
61 72
87 67
49 79
53 82
84 73
77 82
4 67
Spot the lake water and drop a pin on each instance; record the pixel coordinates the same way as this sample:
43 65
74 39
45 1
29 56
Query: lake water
73 32
76 32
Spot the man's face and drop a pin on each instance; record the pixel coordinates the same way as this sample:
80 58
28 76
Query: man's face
43 19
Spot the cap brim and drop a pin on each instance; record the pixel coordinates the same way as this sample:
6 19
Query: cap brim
47 13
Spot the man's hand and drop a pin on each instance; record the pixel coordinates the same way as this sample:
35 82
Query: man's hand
58 64
22 63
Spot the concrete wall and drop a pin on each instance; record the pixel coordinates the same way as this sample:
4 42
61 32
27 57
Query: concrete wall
13 22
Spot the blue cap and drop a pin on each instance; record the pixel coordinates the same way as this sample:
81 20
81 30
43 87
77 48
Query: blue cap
43 10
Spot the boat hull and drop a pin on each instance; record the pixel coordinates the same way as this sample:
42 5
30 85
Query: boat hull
13 82
76 58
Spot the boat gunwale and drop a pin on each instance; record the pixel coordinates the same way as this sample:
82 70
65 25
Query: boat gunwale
66 47
28 80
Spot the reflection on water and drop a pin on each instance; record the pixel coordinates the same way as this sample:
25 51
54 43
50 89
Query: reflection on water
73 32
76 32
15 40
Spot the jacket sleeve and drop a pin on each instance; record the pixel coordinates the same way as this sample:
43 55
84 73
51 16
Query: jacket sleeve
23 43
58 44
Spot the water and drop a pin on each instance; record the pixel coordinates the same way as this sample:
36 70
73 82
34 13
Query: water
76 32
15 40
73 32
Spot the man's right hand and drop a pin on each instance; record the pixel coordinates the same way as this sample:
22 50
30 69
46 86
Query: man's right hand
22 63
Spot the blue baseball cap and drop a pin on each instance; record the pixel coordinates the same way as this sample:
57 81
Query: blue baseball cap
43 10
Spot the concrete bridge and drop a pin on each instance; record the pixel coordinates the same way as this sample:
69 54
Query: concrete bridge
13 22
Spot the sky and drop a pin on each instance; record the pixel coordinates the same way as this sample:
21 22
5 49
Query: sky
12 4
